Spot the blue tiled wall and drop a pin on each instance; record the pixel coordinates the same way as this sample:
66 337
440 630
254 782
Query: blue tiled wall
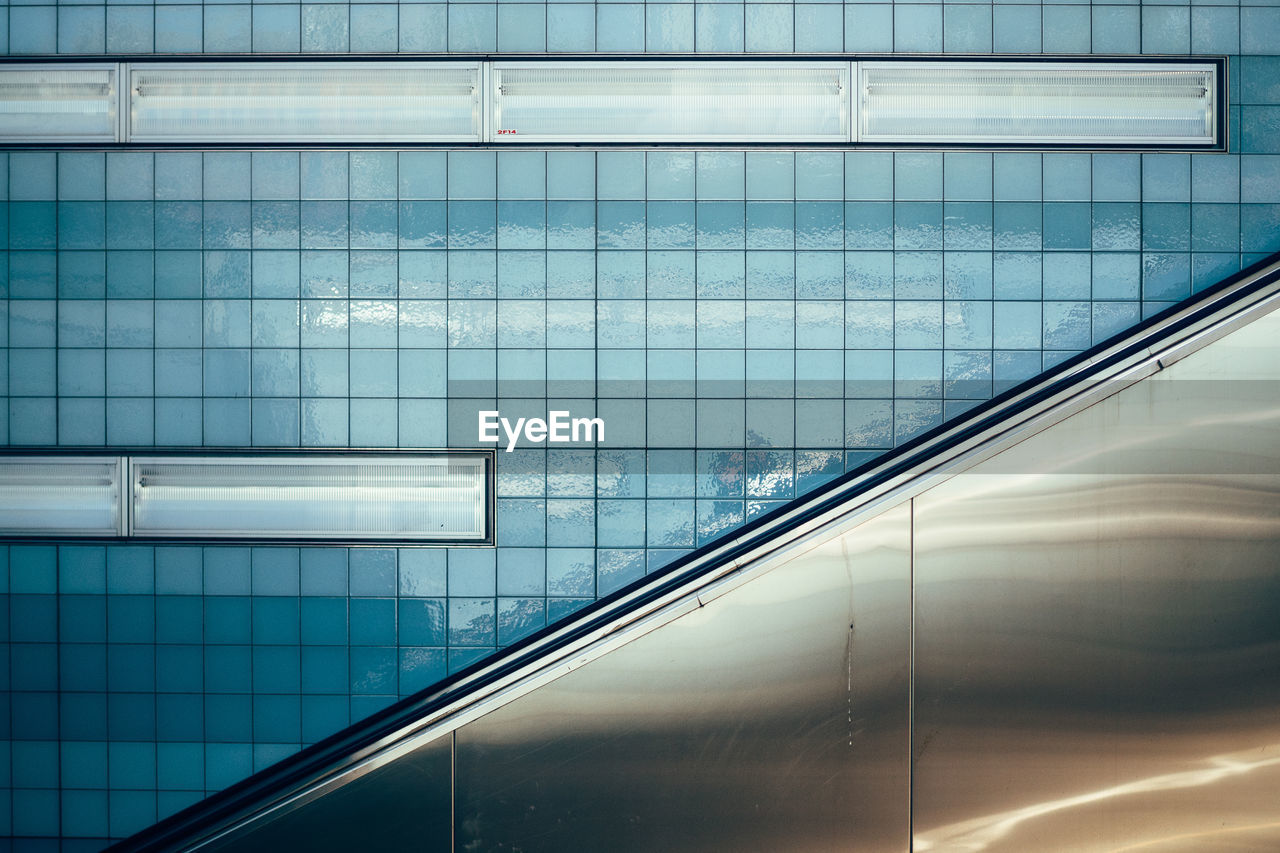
673 27
748 324
168 673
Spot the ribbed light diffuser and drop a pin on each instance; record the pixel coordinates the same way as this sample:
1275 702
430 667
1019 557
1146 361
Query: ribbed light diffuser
58 103
60 496
340 498
1035 103
671 102
287 102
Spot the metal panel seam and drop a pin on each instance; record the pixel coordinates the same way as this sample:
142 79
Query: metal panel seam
911 674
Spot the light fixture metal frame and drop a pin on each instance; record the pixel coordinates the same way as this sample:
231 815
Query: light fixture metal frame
484 102
125 529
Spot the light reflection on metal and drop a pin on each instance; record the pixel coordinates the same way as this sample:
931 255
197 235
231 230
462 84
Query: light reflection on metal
1095 612
1199 837
980 833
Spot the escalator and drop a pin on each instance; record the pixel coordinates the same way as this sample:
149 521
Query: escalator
1051 624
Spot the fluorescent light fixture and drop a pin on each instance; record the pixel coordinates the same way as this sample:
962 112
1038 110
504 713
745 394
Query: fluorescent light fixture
285 102
347 498
60 496
1037 103
938 103
643 101
58 103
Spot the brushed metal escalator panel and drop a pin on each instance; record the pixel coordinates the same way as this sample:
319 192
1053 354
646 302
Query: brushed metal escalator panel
400 806
773 718
1097 646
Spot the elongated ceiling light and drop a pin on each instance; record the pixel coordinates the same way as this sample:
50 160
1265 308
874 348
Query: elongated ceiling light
947 103
331 497
671 102
284 102
58 103
931 102
400 498
60 496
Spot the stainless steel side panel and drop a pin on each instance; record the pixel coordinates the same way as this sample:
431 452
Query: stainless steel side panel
401 806
1098 624
773 718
